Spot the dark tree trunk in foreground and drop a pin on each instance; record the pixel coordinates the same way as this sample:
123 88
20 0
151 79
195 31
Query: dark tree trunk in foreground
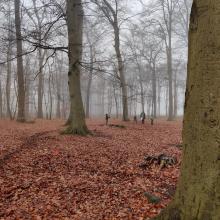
1 101
20 69
198 191
77 123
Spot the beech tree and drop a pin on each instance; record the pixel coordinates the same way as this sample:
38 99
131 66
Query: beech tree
198 191
74 13
20 68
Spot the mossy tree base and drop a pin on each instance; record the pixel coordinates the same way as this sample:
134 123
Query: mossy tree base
21 120
70 130
170 213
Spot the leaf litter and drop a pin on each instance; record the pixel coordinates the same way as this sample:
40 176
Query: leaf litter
45 175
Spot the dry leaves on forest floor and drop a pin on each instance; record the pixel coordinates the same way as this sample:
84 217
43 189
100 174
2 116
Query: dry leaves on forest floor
44 175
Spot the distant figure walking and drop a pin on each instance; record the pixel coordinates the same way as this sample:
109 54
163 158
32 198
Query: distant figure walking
143 117
152 120
106 118
135 119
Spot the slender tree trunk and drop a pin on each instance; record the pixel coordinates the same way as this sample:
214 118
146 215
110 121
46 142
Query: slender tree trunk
20 68
58 91
89 85
121 72
154 89
75 36
1 102
40 85
142 95
158 99
167 99
8 79
175 96
27 88
50 97
103 99
170 67
170 80
198 191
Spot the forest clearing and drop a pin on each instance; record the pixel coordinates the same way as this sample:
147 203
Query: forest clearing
45 175
110 110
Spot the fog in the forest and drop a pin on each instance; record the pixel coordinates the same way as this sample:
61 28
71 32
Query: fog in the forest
152 42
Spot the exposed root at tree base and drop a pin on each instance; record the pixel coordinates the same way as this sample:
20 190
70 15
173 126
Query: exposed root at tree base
21 120
76 131
172 212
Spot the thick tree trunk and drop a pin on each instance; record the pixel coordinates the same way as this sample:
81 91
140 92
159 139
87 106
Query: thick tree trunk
75 26
198 192
20 68
116 101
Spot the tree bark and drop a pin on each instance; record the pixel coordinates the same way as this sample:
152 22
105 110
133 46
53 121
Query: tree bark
121 72
175 96
20 68
198 191
1 101
27 88
8 78
40 84
154 89
116 101
170 80
75 37
89 85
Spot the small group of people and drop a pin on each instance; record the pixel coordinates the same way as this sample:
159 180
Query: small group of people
143 117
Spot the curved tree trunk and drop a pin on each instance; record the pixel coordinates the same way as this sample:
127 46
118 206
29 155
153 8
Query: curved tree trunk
77 123
198 192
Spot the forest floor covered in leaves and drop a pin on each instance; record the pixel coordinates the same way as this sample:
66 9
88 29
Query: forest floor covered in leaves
45 175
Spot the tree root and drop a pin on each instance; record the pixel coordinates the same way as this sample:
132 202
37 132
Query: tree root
76 131
172 212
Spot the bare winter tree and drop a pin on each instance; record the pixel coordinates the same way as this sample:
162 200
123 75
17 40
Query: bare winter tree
20 68
74 12
110 11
